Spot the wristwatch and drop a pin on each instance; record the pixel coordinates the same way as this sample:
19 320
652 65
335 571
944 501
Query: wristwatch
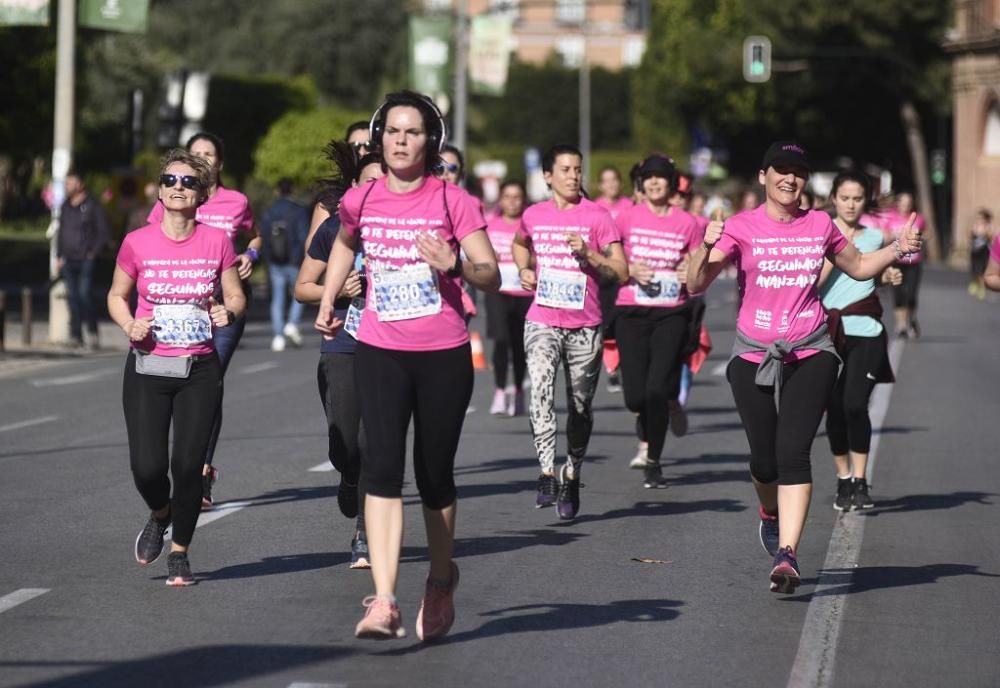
456 269
232 317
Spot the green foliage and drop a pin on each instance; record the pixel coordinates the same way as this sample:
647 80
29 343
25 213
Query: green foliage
293 147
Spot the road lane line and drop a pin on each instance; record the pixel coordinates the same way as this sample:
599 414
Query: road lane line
259 367
28 423
8 602
300 684
720 370
814 662
324 467
213 514
75 379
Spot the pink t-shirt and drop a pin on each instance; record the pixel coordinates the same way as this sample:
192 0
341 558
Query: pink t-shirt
779 264
661 242
995 250
616 208
501 233
891 222
410 306
228 210
702 222
175 275
545 227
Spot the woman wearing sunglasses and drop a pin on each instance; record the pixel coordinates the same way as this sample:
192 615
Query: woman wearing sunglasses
452 165
172 373
228 210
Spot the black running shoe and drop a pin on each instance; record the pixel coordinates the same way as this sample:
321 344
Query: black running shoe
179 570
844 495
652 477
861 498
548 488
568 501
347 499
360 559
207 480
149 543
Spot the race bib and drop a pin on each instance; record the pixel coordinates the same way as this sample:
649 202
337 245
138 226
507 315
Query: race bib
510 277
663 290
561 289
352 321
404 294
181 324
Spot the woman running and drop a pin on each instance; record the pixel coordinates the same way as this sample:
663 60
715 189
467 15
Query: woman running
564 246
784 364
230 211
413 357
854 313
347 446
652 315
506 310
172 373
905 294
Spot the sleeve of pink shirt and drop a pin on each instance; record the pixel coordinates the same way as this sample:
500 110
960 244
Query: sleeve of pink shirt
622 222
348 213
126 257
835 239
605 230
727 243
229 258
466 213
245 220
696 234
155 213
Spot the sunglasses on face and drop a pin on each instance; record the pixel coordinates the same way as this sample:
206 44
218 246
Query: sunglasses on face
358 145
187 181
451 167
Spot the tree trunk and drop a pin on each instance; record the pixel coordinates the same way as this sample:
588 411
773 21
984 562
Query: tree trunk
921 177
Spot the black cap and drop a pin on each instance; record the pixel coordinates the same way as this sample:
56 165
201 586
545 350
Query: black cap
657 166
786 154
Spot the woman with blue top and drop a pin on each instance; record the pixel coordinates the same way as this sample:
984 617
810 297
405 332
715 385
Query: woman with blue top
855 319
335 374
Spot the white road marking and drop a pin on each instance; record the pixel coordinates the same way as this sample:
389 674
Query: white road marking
213 514
814 662
28 423
259 367
8 602
324 467
75 379
300 684
720 370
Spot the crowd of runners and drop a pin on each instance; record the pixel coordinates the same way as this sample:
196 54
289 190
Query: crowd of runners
395 249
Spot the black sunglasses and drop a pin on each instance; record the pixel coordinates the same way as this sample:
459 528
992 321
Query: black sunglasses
452 167
358 145
187 181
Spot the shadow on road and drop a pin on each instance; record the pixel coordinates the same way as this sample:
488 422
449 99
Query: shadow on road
203 667
865 578
928 502
272 566
660 509
541 618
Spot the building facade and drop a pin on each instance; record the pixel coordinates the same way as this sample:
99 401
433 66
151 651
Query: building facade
974 44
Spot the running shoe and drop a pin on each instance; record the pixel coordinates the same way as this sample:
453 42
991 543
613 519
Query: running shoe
913 332
768 531
652 477
278 343
785 573
382 621
515 407
179 570
499 405
568 501
207 481
844 495
291 331
641 457
359 551
548 488
437 610
861 499
347 499
614 382
149 542
678 419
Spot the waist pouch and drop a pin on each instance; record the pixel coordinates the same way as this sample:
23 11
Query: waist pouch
162 366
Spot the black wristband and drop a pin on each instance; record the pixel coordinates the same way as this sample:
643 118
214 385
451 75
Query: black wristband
456 269
232 317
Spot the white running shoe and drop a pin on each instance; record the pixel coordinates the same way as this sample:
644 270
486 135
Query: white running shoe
641 458
499 405
291 331
278 343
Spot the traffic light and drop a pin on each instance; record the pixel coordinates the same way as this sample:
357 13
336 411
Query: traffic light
757 59
939 167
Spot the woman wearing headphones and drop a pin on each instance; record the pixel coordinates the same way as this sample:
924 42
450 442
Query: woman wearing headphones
413 357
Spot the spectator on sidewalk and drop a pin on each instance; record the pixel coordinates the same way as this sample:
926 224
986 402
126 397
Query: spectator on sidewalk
83 233
284 228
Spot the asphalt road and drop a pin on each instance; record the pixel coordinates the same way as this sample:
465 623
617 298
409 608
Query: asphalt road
904 595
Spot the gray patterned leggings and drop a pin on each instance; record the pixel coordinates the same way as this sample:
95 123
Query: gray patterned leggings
579 351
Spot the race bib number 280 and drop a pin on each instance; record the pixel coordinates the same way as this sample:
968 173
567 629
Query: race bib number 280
404 294
561 289
181 324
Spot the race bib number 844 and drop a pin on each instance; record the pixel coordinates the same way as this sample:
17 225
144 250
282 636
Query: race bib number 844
561 289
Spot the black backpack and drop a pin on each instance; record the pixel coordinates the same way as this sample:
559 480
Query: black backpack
280 253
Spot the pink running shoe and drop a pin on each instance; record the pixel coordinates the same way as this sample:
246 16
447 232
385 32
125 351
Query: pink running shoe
437 611
382 620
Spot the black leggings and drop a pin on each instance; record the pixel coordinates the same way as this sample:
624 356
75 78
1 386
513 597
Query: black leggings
905 294
346 438
505 316
848 426
434 387
151 403
780 440
650 341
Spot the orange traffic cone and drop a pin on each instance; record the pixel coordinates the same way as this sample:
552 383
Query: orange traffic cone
478 355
